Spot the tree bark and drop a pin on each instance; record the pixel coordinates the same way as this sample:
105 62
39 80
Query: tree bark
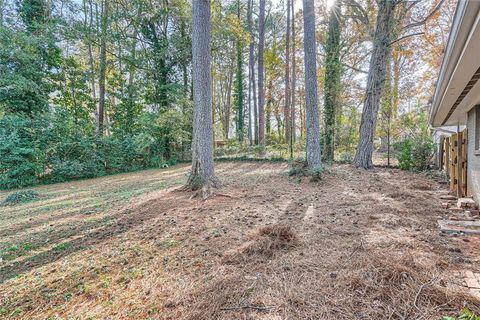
313 130
251 66
249 97
250 59
332 80
287 101
102 68
261 89
202 175
294 77
89 27
239 85
375 81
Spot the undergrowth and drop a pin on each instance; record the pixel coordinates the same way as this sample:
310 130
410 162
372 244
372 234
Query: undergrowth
299 168
20 197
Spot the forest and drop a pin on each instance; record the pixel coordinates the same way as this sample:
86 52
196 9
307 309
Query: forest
89 88
238 159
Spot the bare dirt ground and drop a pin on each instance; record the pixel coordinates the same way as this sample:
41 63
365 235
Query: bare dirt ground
357 245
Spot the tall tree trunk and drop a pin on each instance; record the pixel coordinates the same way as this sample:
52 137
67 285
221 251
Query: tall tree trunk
202 175
251 66
294 77
102 68
250 61
249 131
131 77
91 64
286 109
261 74
268 109
375 81
229 100
184 63
332 80
239 87
311 99
386 107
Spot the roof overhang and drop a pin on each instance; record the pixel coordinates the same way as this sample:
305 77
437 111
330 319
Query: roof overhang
458 88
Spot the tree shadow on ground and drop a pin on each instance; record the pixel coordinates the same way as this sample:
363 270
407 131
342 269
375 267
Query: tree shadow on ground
121 222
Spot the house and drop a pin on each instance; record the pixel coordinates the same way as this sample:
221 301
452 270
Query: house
455 110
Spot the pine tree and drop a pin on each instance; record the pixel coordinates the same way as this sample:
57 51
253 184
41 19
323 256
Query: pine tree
311 98
202 175
239 85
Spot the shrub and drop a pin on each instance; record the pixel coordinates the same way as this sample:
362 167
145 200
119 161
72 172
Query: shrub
404 157
345 157
416 153
299 168
20 197
21 158
422 152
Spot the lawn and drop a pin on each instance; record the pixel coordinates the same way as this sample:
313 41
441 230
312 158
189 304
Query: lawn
356 245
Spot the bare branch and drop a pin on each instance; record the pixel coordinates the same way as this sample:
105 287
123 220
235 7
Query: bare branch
346 65
406 36
424 20
362 16
356 17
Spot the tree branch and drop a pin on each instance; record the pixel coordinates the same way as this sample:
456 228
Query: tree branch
363 17
423 21
406 36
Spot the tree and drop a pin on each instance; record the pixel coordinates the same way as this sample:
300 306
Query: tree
294 80
389 24
313 130
103 67
332 80
252 86
261 74
287 105
239 96
202 175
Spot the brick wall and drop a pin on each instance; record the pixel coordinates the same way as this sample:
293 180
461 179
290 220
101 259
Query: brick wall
473 182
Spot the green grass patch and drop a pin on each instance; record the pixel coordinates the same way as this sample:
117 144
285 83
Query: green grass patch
62 246
466 314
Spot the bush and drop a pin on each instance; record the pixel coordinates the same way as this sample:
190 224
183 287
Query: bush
422 152
299 168
405 156
21 158
62 146
415 154
20 197
345 157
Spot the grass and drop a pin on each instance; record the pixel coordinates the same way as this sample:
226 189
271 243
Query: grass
265 246
62 246
45 220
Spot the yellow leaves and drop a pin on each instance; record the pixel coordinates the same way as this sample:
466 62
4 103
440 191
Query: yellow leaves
231 26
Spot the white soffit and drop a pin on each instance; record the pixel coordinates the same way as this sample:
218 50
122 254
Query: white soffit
461 61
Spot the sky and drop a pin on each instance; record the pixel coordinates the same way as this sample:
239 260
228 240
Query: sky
298 3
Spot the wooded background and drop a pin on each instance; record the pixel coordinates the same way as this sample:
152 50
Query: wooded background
92 87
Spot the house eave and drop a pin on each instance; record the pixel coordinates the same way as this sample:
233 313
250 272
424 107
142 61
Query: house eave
457 66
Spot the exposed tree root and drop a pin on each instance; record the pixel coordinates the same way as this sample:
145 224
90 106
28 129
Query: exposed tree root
201 189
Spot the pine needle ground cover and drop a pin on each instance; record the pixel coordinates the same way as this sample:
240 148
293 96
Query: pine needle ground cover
356 245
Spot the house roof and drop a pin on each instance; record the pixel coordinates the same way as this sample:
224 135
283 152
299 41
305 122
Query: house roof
458 88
